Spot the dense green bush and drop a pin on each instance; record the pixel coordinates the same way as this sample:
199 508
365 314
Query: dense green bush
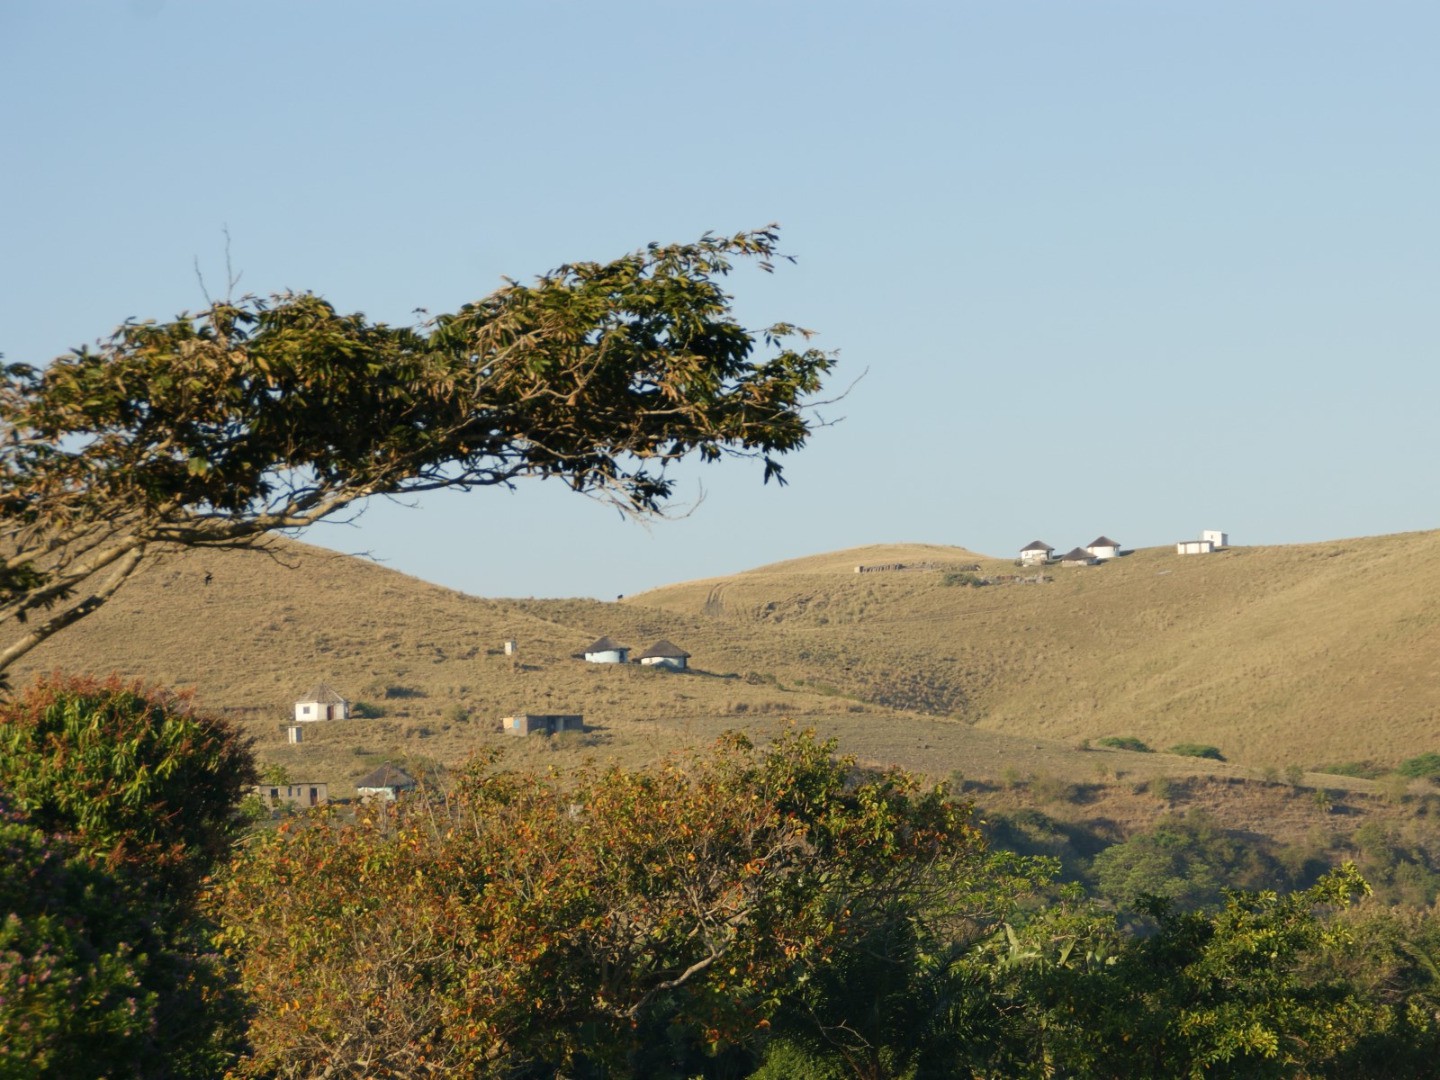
1200 750
1125 742
1426 764
1186 859
120 801
1364 770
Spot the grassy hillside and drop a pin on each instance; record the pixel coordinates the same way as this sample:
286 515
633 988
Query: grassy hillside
1301 654
1293 656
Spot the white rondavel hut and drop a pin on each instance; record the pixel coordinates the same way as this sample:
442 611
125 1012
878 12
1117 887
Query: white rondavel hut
665 654
322 703
1037 551
1102 547
606 651
1077 557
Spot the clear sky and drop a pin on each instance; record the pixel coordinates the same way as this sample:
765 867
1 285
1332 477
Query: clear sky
1127 268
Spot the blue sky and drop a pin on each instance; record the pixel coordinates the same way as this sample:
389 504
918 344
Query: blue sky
1125 268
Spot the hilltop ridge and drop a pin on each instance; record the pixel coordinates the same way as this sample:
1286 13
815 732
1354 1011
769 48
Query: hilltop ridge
1308 654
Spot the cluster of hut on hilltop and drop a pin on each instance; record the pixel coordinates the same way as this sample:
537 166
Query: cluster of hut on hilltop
1037 552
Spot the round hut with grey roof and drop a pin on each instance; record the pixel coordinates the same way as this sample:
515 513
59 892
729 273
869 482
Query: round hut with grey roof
607 651
1102 547
1077 557
1037 551
386 783
665 654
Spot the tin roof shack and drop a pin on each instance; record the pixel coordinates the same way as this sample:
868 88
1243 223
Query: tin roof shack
1102 547
386 783
607 651
544 723
1077 557
665 654
1037 551
298 796
322 703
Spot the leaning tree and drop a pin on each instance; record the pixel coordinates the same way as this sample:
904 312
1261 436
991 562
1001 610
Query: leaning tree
221 427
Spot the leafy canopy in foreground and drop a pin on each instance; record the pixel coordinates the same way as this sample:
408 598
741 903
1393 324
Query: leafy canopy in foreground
596 920
220 427
116 802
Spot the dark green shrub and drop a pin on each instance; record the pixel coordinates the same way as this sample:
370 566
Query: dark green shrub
1426 764
1186 749
1125 742
1365 770
119 801
957 577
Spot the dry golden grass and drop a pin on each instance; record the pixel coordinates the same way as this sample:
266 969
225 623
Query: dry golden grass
1279 656
1303 654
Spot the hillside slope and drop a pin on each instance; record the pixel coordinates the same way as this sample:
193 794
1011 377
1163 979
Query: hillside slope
1296 654
1301 655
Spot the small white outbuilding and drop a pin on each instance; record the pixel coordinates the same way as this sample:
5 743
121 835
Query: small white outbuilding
1194 547
322 703
1217 538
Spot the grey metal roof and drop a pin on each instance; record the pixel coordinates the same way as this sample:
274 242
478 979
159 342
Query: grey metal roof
325 693
664 650
386 776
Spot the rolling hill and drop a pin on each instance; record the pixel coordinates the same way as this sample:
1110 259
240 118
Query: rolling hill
1301 653
1280 656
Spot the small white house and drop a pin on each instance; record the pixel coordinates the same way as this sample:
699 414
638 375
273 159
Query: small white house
1077 557
1102 547
606 651
1194 547
322 703
1037 551
384 783
1217 538
665 654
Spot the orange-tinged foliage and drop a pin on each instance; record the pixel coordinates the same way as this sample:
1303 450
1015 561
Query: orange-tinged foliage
521 918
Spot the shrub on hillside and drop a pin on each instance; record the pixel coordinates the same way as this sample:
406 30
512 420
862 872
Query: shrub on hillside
1364 770
959 577
1125 742
1200 750
1423 765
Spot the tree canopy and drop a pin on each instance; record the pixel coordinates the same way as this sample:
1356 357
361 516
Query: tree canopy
261 414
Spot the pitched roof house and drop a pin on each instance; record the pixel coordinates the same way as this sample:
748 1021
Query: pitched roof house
665 654
606 651
1037 551
322 703
386 782
1102 547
